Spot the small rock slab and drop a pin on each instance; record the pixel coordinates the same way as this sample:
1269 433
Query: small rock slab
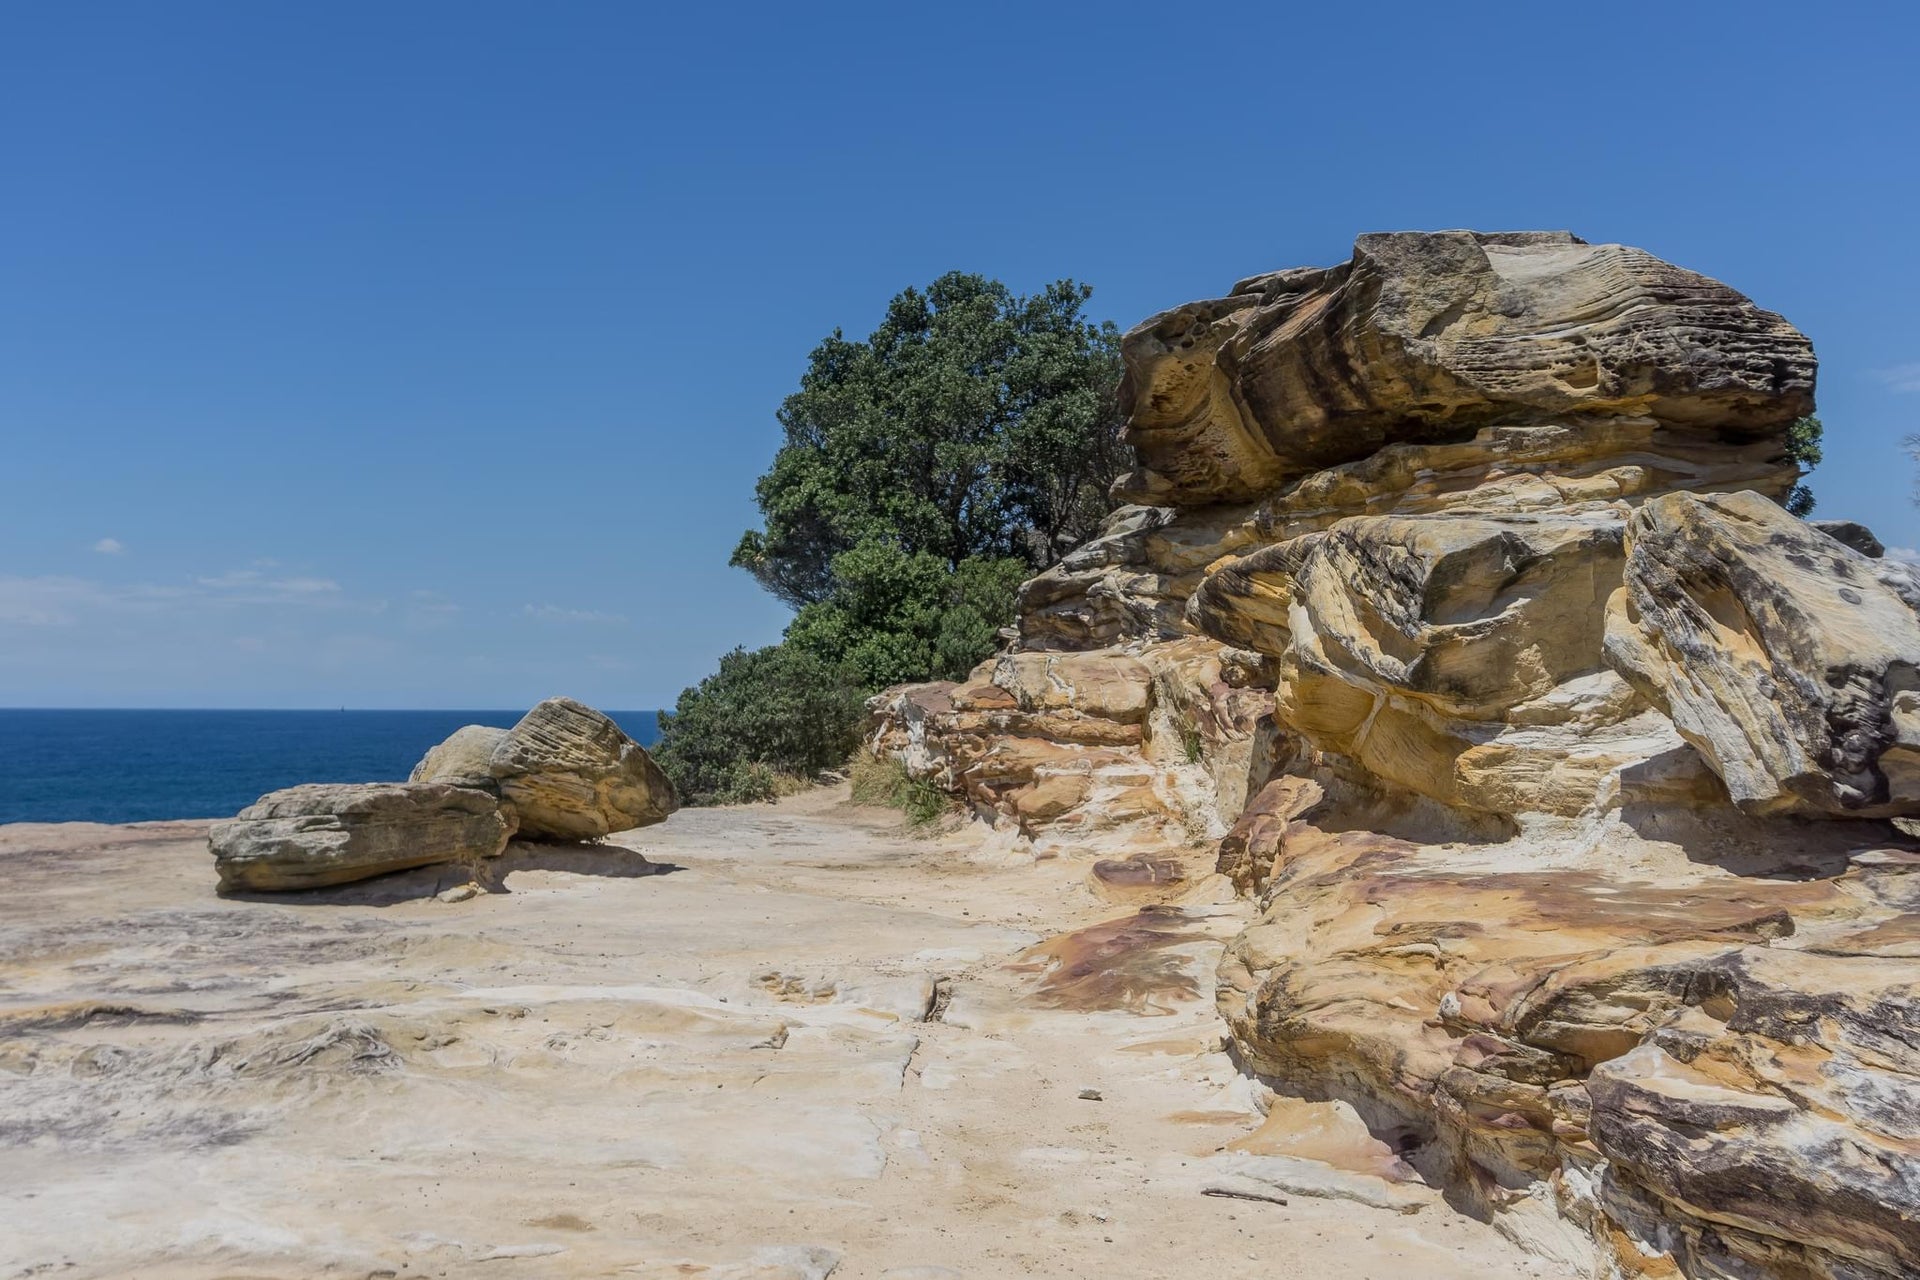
323 834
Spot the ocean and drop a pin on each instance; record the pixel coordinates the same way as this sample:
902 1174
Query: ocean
138 766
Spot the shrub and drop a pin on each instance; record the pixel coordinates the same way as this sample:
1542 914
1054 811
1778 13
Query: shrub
765 713
750 782
883 781
894 617
1190 742
973 423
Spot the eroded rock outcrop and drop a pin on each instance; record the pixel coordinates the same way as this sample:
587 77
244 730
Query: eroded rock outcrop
1135 752
1776 651
322 834
564 772
1712 1070
568 771
1457 656
1521 679
1423 337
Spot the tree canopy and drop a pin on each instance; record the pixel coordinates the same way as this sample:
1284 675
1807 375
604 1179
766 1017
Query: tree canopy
1803 448
765 711
925 473
971 424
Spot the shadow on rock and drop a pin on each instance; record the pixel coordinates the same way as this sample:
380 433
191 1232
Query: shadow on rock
489 877
572 858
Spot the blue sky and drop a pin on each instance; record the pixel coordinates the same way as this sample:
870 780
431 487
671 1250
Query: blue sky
425 355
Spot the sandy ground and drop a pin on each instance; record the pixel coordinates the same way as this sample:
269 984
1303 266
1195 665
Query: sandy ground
803 1043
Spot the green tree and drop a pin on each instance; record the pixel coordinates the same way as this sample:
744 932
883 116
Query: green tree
1803 447
971 424
777 710
894 616
925 473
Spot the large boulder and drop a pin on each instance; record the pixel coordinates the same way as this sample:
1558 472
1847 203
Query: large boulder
465 759
568 772
1777 651
323 834
1426 336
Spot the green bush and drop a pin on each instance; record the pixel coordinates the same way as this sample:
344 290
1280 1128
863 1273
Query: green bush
765 713
894 617
1803 447
972 424
925 473
883 781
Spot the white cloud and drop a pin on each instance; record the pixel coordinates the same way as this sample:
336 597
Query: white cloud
47 602
1909 555
255 587
58 601
426 610
554 613
109 546
1901 377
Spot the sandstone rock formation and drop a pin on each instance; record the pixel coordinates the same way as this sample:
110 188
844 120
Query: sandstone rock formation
1478 651
322 834
1421 338
1062 746
465 759
568 772
1718 1069
1777 653
564 772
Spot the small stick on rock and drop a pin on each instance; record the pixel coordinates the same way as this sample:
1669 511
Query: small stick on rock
1234 1193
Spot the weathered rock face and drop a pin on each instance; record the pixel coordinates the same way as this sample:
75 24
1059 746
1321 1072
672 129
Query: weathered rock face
1065 747
1456 656
568 772
1424 337
465 759
1526 666
1776 651
1406 480
325 834
1718 1073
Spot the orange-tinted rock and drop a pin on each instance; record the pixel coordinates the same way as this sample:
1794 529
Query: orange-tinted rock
1519 1020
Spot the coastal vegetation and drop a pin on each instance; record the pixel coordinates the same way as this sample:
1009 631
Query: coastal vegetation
1803 450
926 471
883 781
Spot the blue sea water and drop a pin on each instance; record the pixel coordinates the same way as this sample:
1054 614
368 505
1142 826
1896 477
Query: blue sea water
137 766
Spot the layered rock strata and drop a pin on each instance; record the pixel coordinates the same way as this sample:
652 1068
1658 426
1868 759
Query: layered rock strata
1716 1074
322 834
565 772
1145 752
1534 687
569 772
1777 651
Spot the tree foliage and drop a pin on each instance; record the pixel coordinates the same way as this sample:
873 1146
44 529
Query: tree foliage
925 473
1803 447
765 712
972 424
892 616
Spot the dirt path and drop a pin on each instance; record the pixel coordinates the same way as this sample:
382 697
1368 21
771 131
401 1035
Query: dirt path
805 1045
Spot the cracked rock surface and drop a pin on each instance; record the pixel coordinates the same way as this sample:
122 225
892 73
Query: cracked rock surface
769 1043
